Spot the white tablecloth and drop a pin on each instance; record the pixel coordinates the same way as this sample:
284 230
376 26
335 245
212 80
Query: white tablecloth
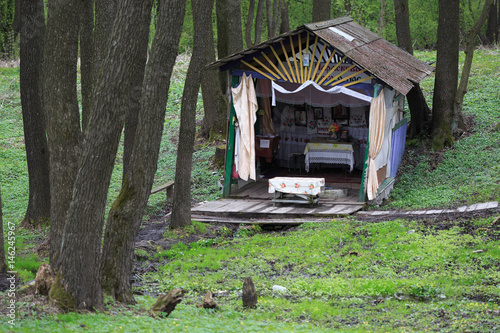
329 153
312 186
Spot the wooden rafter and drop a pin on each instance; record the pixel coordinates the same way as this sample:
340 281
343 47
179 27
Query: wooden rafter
311 61
319 62
326 65
333 69
257 70
301 60
266 68
341 73
359 81
274 66
294 59
288 61
347 77
281 64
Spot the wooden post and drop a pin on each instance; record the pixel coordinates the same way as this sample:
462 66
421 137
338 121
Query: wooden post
228 168
362 188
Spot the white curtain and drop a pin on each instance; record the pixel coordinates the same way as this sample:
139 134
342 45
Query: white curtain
313 94
245 106
376 139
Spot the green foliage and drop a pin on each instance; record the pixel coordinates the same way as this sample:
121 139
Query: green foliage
467 173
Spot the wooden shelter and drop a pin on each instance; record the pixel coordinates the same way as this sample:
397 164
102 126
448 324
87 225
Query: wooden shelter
297 88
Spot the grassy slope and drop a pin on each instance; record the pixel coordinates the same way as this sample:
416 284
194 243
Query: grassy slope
346 275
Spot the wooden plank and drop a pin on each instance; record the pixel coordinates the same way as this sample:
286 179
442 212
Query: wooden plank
162 187
281 64
288 61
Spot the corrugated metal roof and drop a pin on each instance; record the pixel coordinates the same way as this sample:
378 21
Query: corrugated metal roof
387 62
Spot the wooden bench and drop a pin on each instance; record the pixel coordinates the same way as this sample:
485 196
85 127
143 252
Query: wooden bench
168 187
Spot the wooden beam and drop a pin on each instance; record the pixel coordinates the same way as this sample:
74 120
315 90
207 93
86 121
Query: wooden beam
326 65
359 81
257 70
311 61
288 61
347 77
266 68
301 60
294 59
341 73
274 66
281 64
333 69
319 62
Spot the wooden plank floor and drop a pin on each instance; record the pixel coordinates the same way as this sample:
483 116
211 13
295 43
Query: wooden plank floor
255 208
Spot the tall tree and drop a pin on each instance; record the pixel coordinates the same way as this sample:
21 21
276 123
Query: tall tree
445 86
493 24
181 207
285 17
62 114
7 11
86 55
214 102
249 23
419 109
77 285
273 17
258 21
321 10
126 213
459 125
382 20
37 151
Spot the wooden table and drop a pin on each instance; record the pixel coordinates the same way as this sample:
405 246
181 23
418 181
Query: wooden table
296 189
329 152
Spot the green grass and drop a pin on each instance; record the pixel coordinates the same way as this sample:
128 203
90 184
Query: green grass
346 275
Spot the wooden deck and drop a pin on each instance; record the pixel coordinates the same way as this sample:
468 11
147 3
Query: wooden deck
255 208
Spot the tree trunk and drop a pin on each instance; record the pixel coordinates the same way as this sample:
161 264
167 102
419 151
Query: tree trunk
491 31
105 11
125 216
137 70
62 114
181 207
321 10
381 18
86 55
348 7
258 21
77 284
419 110
249 24
445 86
214 102
229 34
459 125
273 12
35 139
285 20
3 262
402 18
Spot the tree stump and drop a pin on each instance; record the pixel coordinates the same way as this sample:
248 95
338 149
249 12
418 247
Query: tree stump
44 279
220 155
167 303
249 294
208 302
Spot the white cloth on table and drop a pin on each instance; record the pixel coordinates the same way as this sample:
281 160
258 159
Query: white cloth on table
297 185
245 106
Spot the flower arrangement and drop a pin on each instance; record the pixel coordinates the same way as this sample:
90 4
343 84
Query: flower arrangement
333 129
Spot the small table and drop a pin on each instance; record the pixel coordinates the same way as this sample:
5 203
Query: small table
303 190
330 152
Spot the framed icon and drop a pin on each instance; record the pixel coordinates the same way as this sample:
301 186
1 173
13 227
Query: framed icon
318 113
300 117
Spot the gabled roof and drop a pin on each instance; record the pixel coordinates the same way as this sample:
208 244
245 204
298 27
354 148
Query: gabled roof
342 36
